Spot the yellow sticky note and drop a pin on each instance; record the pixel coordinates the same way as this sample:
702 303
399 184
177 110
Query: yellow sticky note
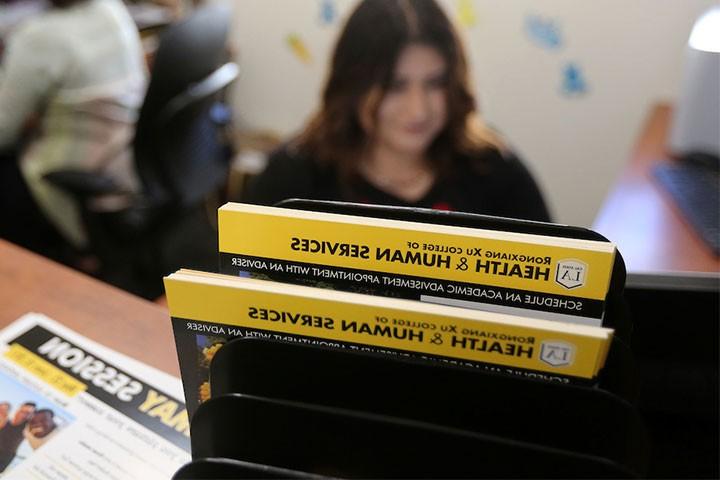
298 48
466 13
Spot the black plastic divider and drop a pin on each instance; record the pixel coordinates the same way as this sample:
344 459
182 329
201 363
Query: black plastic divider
567 417
351 444
230 469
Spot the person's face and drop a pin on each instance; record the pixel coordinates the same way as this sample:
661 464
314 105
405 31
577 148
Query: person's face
4 409
414 108
23 413
41 424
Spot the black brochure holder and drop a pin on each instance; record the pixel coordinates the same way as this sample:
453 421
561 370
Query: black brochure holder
330 412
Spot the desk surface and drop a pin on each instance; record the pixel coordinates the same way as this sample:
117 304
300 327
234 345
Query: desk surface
112 317
649 230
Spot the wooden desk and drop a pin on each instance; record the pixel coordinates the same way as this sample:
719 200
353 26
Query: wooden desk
649 230
112 317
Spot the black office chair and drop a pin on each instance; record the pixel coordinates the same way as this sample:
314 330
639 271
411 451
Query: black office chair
179 156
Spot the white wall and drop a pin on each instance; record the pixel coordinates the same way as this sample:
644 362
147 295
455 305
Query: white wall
630 53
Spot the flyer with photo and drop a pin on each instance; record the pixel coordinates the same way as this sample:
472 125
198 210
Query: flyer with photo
71 408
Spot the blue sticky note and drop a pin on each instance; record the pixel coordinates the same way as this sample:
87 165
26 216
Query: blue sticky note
573 80
327 12
543 32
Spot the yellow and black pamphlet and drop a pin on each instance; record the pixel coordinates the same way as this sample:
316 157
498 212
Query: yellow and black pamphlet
209 309
546 277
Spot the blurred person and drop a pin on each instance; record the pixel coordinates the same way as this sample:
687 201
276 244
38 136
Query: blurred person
14 12
4 413
11 435
76 75
398 125
40 428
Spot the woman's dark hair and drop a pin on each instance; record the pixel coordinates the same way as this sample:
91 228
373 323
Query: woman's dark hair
362 68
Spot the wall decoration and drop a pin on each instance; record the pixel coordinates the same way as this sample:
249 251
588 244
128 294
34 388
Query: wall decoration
574 83
298 48
544 32
328 12
466 13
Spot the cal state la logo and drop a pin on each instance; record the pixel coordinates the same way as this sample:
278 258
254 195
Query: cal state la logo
571 273
557 353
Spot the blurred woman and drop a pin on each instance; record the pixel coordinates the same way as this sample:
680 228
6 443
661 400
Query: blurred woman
398 125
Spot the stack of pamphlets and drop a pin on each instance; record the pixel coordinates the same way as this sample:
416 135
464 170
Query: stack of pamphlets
513 303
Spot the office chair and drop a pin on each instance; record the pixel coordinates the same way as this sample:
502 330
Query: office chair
180 160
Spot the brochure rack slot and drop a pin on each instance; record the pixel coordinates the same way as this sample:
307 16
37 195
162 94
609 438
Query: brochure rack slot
347 443
534 411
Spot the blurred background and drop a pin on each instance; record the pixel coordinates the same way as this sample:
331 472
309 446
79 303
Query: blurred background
569 83
585 92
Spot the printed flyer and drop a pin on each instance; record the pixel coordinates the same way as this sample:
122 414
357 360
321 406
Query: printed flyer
71 408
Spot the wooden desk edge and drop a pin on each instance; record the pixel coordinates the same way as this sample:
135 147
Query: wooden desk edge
642 220
105 314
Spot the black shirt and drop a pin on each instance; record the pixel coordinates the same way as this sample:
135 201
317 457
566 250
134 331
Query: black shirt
11 436
495 184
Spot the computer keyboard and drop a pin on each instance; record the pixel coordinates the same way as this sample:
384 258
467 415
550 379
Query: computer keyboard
696 192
